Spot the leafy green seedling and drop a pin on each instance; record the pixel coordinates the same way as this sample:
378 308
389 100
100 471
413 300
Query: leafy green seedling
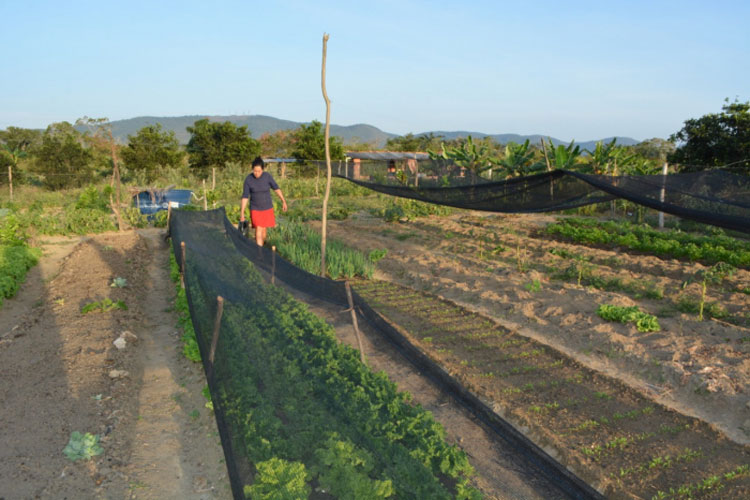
643 322
103 306
534 286
119 283
714 274
82 446
207 394
377 255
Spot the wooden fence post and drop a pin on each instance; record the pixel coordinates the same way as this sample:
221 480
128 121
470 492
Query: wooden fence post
273 264
215 337
663 192
10 181
182 264
354 320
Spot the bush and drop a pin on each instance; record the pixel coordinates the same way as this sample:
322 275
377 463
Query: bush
93 199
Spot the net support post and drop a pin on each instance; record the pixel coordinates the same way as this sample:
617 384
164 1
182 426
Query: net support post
215 336
354 320
662 193
182 264
273 264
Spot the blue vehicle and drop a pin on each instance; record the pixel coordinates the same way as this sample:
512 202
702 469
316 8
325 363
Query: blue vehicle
150 202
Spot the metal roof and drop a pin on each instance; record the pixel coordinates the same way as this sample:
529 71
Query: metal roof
386 155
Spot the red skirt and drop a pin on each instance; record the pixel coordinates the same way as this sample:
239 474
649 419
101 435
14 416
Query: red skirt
262 218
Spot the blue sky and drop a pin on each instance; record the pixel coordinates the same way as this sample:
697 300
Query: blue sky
571 70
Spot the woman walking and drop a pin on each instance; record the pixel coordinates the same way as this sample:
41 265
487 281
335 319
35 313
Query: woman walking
257 188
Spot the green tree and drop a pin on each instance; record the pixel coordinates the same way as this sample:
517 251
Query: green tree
20 139
150 148
413 143
654 149
213 144
15 145
715 139
310 143
62 160
278 144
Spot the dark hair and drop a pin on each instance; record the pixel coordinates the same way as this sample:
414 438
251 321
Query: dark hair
258 161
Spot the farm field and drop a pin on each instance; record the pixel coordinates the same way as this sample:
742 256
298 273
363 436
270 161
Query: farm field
157 438
598 395
527 282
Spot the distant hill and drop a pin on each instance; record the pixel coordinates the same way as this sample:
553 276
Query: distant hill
256 124
534 138
361 132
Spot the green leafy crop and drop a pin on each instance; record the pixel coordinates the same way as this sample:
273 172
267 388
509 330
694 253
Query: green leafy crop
103 305
82 446
643 322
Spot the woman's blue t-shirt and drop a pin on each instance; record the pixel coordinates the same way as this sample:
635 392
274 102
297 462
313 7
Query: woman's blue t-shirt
258 189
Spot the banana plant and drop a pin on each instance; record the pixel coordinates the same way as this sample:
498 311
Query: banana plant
518 160
602 157
13 155
562 157
474 157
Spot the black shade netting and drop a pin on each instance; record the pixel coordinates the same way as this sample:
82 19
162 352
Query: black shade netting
714 197
282 386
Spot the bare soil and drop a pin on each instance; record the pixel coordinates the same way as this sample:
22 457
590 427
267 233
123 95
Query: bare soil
700 368
679 395
61 373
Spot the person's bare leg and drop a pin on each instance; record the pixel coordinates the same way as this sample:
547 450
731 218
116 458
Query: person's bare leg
265 234
259 235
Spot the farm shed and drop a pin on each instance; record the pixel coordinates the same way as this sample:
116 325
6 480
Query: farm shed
403 159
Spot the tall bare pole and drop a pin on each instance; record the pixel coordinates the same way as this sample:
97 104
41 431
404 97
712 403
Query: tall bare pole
117 203
323 230
664 171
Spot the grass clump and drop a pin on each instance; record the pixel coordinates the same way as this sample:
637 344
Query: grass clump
301 245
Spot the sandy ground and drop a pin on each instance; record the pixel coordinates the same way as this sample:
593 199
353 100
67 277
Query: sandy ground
61 373
488 264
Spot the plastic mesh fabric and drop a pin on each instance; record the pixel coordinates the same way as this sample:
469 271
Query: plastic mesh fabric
220 262
714 197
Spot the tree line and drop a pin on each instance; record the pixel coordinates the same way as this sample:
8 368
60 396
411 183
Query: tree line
713 140
64 156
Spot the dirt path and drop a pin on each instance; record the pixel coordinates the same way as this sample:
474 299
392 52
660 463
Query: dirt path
56 377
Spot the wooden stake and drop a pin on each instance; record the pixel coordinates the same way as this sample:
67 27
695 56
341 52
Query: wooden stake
182 264
169 214
546 158
354 320
205 198
213 184
10 181
549 169
215 337
273 264
663 192
323 229
117 203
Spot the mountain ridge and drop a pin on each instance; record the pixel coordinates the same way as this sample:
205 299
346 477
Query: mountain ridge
359 132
